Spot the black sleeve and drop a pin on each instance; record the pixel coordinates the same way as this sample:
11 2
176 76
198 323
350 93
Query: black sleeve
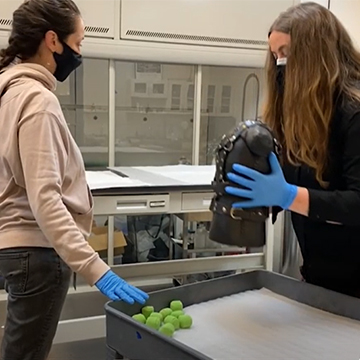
342 206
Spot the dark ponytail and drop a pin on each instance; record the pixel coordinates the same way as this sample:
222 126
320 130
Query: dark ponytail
7 56
31 21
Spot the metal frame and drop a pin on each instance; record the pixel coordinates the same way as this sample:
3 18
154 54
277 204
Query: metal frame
94 327
112 151
173 204
197 116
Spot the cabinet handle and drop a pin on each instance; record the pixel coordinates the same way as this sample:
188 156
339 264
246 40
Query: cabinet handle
131 205
157 204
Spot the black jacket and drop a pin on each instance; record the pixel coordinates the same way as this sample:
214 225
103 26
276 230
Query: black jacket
331 251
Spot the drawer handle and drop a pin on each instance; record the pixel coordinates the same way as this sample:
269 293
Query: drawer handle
157 204
131 205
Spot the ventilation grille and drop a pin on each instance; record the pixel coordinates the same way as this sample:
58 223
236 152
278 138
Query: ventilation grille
89 29
5 22
150 34
97 29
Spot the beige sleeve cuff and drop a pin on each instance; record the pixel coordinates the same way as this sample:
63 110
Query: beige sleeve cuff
95 270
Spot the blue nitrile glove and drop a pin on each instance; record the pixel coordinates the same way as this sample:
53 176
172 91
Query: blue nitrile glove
115 288
262 190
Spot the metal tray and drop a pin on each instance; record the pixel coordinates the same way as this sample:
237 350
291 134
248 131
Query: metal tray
132 340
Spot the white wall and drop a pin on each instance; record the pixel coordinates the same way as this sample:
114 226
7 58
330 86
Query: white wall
347 11
321 2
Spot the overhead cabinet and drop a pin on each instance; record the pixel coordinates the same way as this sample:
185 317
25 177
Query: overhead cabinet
7 7
226 23
99 17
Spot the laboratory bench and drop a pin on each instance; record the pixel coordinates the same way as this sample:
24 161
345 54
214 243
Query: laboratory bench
182 191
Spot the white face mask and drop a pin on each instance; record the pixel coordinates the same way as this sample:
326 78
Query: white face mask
281 62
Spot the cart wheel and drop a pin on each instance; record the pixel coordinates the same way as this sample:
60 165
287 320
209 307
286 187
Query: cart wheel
111 354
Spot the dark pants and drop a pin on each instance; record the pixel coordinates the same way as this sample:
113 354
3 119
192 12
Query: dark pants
37 281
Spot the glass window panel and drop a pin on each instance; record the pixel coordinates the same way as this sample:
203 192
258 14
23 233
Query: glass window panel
84 98
191 92
226 91
143 69
211 91
140 88
221 108
190 97
176 91
155 128
175 104
210 98
158 88
65 92
92 98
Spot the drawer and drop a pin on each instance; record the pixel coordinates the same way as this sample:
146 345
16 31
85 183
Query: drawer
131 205
196 201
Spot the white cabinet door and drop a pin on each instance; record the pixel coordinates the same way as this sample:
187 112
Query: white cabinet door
324 3
229 23
348 11
99 17
7 7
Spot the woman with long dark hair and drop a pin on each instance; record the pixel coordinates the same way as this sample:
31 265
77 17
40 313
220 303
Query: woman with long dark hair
313 107
46 209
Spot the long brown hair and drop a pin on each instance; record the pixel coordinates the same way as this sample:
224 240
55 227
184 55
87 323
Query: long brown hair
30 23
322 62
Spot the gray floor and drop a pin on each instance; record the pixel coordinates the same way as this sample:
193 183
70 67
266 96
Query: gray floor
79 350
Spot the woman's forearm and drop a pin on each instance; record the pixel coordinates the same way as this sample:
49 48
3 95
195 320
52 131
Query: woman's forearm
301 203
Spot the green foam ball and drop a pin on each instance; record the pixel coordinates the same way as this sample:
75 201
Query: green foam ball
177 313
147 311
165 312
176 305
140 318
167 329
185 321
172 320
157 315
153 322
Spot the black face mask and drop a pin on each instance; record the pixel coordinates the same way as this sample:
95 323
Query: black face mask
280 75
66 62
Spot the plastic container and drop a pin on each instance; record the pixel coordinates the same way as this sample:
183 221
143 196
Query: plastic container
132 340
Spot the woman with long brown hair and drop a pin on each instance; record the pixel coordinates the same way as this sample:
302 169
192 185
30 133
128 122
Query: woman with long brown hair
313 107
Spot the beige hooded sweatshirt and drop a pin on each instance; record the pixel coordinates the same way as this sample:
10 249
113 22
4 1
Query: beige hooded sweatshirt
44 197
